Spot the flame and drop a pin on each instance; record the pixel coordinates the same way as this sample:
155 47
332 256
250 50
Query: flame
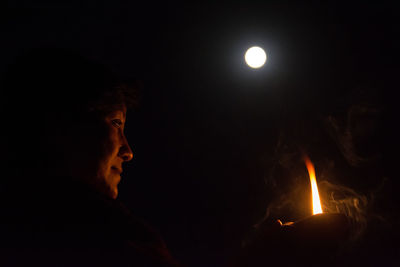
316 202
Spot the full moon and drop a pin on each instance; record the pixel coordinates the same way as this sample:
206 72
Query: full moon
255 57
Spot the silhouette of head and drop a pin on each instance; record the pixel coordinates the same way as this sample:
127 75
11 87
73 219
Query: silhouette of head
65 117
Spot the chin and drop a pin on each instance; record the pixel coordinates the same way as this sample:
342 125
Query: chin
114 194
112 187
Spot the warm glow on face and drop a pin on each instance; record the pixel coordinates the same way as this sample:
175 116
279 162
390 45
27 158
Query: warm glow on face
316 203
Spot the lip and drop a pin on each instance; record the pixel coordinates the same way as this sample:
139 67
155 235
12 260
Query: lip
118 170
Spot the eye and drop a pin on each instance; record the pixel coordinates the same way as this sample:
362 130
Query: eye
117 123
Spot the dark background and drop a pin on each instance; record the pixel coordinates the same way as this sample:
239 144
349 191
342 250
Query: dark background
207 123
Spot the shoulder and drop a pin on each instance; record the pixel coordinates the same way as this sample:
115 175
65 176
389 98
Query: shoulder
141 239
88 228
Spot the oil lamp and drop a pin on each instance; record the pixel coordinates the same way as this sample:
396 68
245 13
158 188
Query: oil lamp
322 229
313 241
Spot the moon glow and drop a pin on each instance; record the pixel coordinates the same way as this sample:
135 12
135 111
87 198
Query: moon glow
255 57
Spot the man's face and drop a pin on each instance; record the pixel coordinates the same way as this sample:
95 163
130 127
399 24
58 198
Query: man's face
115 151
97 157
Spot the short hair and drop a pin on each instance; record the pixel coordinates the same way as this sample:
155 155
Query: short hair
62 82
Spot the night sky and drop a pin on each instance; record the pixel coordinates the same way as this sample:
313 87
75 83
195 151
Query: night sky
207 124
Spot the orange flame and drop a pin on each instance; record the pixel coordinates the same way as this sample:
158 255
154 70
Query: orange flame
316 203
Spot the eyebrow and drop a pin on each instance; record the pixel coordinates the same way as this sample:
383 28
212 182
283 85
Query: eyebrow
116 111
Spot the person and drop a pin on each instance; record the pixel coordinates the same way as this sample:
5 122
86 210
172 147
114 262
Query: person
63 149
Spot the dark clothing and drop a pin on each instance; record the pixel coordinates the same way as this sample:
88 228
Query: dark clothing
71 225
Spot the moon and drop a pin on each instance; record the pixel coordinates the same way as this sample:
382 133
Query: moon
255 57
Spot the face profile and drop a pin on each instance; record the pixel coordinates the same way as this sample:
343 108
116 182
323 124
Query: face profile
94 152
74 112
116 152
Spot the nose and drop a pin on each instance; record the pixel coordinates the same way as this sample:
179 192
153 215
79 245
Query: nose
125 151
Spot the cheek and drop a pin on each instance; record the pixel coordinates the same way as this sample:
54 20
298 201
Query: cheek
97 152
110 147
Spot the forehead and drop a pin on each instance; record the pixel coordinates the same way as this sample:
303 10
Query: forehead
114 110
120 110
